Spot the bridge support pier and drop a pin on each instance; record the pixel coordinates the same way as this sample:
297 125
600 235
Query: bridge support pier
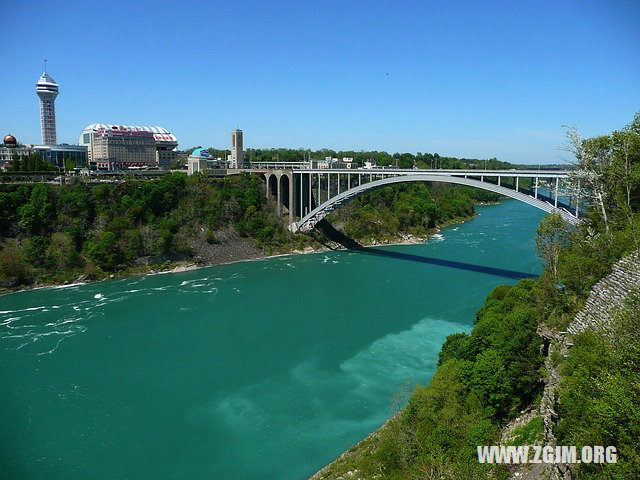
280 187
291 198
279 197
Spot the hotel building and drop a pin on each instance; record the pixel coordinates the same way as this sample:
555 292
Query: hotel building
123 146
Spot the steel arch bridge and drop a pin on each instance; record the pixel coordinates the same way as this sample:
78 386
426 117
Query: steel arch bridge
308 195
308 221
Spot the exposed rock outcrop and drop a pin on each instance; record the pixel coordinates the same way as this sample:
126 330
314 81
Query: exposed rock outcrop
606 298
608 295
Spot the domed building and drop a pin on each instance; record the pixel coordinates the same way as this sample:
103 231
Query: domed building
201 152
9 148
201 161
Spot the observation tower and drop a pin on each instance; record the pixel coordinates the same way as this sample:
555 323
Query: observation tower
47 91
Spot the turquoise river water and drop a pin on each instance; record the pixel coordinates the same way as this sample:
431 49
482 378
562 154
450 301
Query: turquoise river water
266 369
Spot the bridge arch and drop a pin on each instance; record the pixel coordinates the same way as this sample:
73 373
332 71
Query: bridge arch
284 190
272 185
309 221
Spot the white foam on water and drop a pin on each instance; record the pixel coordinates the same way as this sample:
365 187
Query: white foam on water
29 309
69 285
9 321
187 282
49 352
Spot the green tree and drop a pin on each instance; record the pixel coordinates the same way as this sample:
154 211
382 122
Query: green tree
69 164
552 235
12 265
61 253
36 216
592 160
104 251
35 250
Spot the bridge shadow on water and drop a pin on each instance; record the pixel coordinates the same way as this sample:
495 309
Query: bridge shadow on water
350 244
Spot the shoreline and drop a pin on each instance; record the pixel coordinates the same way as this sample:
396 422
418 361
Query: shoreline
189 265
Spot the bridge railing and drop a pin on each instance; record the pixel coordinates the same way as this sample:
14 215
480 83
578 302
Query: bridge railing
280 165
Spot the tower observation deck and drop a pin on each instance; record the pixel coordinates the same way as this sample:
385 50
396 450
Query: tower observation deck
47 91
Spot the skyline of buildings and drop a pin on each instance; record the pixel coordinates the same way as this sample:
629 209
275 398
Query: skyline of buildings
106 146
503 89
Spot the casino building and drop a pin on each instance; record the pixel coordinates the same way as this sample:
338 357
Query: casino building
116 147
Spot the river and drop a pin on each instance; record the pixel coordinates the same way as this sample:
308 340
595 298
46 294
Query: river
265 369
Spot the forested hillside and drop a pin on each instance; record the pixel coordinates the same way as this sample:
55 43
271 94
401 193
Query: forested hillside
55 234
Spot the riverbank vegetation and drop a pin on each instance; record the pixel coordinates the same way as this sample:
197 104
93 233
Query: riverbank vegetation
51 234
489 376
54 233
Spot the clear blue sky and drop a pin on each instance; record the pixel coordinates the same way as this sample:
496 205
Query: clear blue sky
474 79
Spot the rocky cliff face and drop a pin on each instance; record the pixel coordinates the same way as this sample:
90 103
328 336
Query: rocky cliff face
606 298
608 295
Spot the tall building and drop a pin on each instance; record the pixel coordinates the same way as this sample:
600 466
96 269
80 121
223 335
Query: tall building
123 146
47 91
237 152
